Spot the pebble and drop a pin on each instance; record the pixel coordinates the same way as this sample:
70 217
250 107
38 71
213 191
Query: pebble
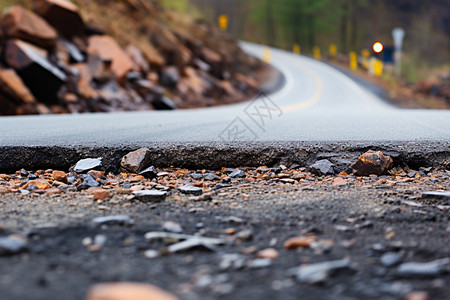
172 227
322 167
232 261
136 161
372 162
299 242
150 195
390 259
259 263
237 174
112 220
151 253
436 195
190 190
150 172
87 164
12 245
100 194
59 176
88 182
423 269
211 177
320 272
417 296
196 176
269 253
127 291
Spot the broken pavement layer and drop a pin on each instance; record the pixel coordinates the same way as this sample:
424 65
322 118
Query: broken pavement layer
214 155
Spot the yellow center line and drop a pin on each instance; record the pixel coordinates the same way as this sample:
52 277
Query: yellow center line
311 101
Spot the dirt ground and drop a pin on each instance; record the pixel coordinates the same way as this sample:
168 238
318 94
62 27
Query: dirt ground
377 223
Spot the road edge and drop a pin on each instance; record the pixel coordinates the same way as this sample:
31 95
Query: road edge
214 155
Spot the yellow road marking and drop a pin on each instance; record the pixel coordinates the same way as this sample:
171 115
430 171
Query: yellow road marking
311 101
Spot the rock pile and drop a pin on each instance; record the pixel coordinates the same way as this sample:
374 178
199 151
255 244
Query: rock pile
53 61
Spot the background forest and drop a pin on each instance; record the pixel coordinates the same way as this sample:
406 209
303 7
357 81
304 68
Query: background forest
351 24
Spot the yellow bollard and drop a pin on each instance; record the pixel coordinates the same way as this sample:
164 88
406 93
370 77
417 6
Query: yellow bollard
267 55
365 53
296 49
316 53
332 51
353 61
378 69
223 22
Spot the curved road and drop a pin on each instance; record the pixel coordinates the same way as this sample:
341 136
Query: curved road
317 103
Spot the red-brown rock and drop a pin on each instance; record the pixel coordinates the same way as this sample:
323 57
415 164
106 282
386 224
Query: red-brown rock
25 25
12 85
109 50
63 15
372 162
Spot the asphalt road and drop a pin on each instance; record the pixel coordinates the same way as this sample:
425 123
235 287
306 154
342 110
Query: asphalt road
317 103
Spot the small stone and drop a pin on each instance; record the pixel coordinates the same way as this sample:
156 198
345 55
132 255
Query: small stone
322 167
259 263
151 253
244 235
172 227
372 162
210 176
237 174
196 176
87 164
390 259
24 173
299 242
420 269
100 194
412 174
136 161
150 172
12 245
59 176
269 253
150 195
41 184
113 220
417 296
320 272
436 195
127 291
88 182
231 261
190 190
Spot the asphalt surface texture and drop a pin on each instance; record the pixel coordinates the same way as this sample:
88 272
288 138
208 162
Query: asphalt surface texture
317 105
377 226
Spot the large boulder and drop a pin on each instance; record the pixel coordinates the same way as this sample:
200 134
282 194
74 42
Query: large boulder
30 62
23 24
109 50
63 15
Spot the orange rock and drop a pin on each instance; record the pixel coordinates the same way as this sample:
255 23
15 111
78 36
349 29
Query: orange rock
339 181
128 291
270 253
372 162
101 194
12 85
299 242
109 50
97 174
59 176
40 183
25 25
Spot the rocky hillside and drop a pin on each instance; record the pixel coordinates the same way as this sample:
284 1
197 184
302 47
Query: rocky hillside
58 56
